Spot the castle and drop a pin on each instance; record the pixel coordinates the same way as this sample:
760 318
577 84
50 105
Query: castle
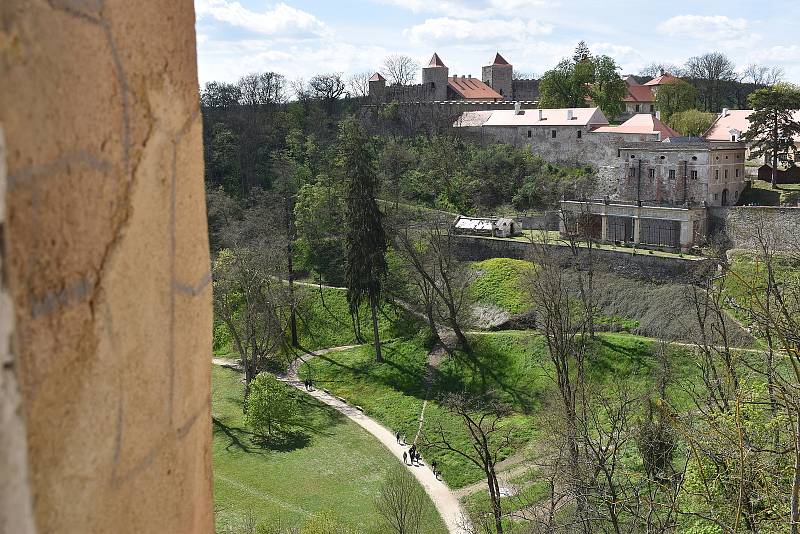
497 85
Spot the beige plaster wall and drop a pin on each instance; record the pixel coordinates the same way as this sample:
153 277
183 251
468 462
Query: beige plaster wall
106 259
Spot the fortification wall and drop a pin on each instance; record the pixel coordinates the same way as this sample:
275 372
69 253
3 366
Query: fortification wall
641 265
105 256
525 89
746 227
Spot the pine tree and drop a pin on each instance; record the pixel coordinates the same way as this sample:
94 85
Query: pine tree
772 126
365 239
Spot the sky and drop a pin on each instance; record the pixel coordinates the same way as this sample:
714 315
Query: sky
301 38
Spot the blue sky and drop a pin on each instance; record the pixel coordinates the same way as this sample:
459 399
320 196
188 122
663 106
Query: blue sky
300 38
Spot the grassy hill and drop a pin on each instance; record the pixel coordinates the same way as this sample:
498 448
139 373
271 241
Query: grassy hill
334 470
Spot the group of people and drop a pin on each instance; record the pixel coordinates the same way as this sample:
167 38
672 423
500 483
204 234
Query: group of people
308 384
414 456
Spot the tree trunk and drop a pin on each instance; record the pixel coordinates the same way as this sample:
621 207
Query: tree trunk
774 149
374 305
795 518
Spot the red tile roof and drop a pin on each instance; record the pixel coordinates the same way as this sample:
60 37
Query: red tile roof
377 77
639 93
641 123
499 60
472 89
436 61
663 79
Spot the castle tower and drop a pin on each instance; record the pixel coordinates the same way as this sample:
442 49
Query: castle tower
435 77
377 87
499 76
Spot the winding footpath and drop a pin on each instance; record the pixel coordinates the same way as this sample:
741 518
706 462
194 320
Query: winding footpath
443 498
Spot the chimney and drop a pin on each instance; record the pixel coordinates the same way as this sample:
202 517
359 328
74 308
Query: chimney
517 110
541 115
662 71
469 76
724 112
570 115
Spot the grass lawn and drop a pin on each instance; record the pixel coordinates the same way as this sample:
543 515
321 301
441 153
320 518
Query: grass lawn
514 364
500 283
336 468
762 193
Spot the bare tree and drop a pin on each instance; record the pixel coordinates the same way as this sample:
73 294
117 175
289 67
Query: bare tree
401 501
400 69
263 88
429 249
485 419
710 71
358 84
656 69
523 75
328 88
762 75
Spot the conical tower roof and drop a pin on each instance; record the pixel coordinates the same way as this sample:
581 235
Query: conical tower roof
499 60
377 77
436 61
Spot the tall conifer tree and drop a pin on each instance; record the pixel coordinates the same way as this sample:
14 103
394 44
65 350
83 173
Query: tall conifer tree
365 239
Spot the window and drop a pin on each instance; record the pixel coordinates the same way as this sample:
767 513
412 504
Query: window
580 133
529 134
716 174
652 108
715 196
672 174
553 134
694 175
736 194
726 174
733 138
632 172
619 152
651 173
637 108
737 173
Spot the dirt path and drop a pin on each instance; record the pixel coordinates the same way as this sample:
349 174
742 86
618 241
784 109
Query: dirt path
443 498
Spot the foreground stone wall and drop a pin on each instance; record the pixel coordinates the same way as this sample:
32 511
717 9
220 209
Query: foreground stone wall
746 227
106 263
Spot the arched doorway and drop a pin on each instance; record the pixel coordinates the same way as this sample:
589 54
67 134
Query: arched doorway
724 197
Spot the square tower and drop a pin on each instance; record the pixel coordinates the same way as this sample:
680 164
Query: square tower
434 76
499 76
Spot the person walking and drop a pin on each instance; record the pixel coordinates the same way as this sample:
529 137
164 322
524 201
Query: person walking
397 436
404 458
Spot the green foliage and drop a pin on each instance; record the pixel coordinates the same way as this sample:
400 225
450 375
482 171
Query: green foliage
675 97
500 282
319 222
335 471
364 238
271 408
691 122
574 81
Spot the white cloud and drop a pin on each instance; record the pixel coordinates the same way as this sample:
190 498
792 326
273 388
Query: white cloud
472 9
719 29
451 29
280 19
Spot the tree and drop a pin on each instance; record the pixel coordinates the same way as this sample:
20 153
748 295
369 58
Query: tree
485 420
220 95
691 122
400 69
365 240
253 306
271 407
762 75
574 81
582 52
607 88
262 89
328 88
401 501
358 84
710 71
772 124
675 97
658 68
223 166
319 219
